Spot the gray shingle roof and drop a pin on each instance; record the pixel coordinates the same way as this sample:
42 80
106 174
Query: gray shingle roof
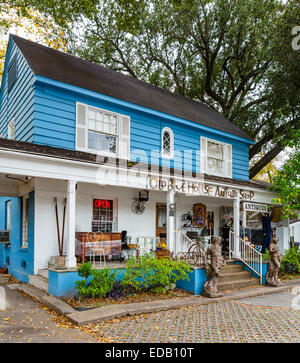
47 62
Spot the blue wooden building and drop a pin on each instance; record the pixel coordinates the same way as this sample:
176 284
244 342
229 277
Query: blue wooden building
77 135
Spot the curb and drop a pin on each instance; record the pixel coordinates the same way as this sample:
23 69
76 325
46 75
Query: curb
109 312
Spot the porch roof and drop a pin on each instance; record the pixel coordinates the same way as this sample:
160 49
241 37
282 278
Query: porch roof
60 153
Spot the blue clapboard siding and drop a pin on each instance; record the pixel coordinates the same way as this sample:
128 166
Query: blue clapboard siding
55 115
19 102
19 261
45 113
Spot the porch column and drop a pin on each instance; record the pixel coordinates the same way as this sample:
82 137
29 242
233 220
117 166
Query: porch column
71 201
236 225
170 221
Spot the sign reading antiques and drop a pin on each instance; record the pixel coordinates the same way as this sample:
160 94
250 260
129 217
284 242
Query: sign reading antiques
253 207
199 189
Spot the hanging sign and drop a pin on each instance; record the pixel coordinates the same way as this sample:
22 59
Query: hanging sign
197 188
253 207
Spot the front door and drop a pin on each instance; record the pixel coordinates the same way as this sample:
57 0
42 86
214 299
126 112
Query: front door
161 222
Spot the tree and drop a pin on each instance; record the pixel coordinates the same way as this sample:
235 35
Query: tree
229 54
287 182
15 15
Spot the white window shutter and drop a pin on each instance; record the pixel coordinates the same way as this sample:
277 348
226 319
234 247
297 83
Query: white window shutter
203 153
125 138
228 161
81 126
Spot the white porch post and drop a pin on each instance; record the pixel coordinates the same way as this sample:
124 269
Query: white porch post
236 225
71 203
170 221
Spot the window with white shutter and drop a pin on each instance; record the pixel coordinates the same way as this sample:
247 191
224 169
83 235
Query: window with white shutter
102 131
216 158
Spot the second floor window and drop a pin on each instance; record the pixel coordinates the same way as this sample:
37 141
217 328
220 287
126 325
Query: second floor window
215 158
167 149
102 131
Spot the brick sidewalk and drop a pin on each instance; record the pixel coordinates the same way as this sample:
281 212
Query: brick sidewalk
219 322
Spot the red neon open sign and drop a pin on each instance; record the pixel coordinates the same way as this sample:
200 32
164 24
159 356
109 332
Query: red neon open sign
101 203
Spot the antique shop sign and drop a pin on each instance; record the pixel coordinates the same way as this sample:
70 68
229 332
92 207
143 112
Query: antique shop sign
253 207
197 188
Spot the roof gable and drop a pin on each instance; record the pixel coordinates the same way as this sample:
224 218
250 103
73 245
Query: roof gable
49 63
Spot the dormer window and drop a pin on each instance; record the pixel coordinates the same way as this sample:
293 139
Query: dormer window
167 143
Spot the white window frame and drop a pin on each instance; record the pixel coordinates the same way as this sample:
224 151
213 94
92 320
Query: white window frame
25 222
227 173
11 129
171 133
105 153
119 133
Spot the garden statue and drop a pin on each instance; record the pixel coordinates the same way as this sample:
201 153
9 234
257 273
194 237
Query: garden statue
213 267
274 263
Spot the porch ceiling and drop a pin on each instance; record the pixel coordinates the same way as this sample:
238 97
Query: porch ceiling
9 185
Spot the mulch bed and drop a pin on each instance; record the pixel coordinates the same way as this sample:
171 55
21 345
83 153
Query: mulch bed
89 303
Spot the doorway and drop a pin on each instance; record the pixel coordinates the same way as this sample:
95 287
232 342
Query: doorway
161 222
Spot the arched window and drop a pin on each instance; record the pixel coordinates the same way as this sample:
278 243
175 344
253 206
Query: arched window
167 142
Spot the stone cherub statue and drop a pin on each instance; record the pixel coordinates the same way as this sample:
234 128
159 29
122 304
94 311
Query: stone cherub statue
213 267
275 259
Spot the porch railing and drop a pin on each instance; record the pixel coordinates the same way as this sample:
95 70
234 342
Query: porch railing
241 250
189 250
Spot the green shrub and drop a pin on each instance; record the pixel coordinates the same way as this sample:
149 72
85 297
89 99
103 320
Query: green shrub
291 261
95 283
153 274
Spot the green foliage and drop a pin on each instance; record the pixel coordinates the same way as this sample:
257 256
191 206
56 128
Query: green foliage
266 255
291 261
95 283
153 274
287 182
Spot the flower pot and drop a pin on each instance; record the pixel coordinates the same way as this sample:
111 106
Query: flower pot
60 261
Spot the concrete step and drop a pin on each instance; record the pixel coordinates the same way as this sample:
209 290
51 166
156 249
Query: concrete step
39 282
237 284
232 276
44 273
232 268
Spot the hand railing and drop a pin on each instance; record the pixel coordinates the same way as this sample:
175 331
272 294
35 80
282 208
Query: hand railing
241 250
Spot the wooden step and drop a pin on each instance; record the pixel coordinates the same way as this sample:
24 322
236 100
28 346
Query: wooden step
238 284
